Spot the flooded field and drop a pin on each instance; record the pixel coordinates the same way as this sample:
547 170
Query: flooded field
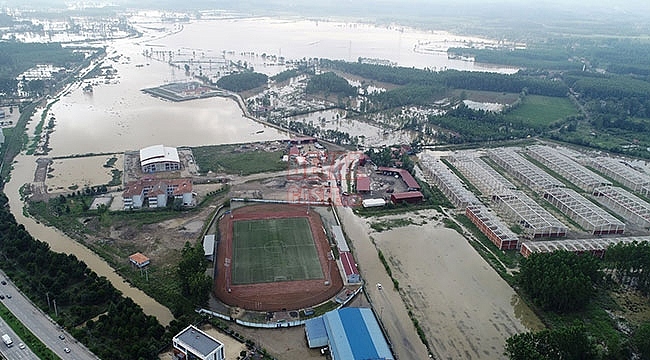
466 310
72 174
295 38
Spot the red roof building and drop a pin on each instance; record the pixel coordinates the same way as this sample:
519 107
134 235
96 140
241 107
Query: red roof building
363 184
411 197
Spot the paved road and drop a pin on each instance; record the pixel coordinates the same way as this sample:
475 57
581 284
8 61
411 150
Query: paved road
14 352
41 325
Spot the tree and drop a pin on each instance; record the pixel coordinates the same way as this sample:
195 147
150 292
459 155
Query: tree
641 340
560 281
563 343
195 284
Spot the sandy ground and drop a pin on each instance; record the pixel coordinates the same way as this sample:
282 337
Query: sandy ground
466 310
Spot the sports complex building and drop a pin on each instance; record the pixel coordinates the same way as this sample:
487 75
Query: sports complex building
350 333
159 158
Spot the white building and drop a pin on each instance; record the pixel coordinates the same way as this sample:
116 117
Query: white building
158 158
154 193
192 343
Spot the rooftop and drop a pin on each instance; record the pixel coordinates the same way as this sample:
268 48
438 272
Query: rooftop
197 341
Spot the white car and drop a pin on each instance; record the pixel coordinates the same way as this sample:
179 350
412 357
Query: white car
21 346
67 350
379 287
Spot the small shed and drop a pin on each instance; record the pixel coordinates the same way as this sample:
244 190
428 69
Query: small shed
208 247
139 260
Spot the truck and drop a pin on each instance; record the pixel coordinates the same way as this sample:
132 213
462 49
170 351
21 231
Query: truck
7 340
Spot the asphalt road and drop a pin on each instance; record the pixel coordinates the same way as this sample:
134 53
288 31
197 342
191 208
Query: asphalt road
40 325
14 352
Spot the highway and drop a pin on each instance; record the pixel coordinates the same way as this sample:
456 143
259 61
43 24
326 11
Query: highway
41 325
14 352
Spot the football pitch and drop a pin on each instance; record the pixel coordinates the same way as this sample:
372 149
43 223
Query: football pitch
271 250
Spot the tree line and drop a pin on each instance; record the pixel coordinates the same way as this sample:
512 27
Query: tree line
566 285
122 330
242 81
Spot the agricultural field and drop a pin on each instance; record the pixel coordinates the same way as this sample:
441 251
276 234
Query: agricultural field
541 111
271 250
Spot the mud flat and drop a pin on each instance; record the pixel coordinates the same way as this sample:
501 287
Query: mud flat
465 309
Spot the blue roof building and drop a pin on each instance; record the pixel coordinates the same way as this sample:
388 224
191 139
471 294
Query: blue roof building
352 333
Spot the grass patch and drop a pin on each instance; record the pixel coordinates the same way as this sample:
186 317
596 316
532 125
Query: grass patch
542 111
384 225
236 159
274 250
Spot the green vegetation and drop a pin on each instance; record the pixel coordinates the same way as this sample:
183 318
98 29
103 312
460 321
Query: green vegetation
274 249
237 159
560 281
16 57
541 111
330 83
242 81
195 284
80 295
566 342
388 224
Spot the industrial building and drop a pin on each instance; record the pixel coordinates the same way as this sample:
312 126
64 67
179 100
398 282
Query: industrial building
451 186
595 247
490 225
487 180
350 333
159 158
154 193
194 344
569 169
584 212
624 203
409 180
524 170
411 197
623 172
534 219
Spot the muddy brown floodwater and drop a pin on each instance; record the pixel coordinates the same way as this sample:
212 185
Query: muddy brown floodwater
465 308
23 172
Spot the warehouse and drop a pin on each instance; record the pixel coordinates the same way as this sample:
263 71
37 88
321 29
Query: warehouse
575 173
483 177
595 247
622 172
589 216
529 174
450 184
352 334
625 204
534 219
490 225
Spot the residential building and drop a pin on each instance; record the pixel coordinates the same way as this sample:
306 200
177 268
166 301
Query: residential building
194 344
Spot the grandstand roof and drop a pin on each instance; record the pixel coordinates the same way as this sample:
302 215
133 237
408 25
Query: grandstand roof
158 153
341 244
349 265
354 334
